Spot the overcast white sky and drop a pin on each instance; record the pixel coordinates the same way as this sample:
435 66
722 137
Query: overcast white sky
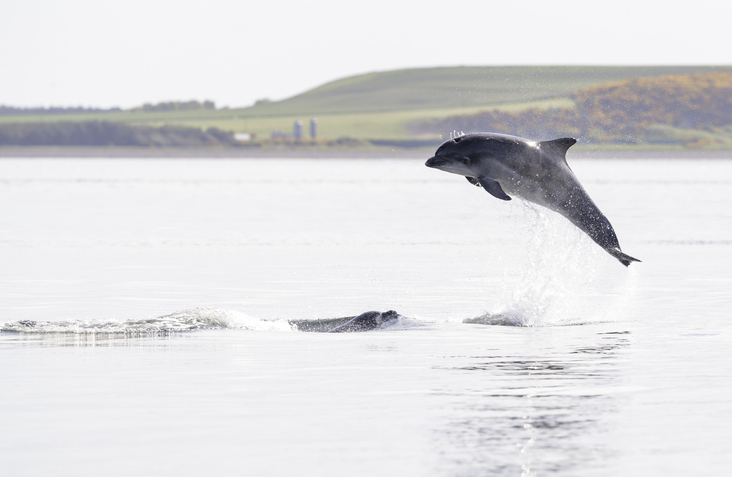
127 52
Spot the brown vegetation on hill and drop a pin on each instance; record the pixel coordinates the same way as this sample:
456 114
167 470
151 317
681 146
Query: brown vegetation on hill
628 108
638 110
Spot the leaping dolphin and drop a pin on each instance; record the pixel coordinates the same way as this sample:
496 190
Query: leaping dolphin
534 171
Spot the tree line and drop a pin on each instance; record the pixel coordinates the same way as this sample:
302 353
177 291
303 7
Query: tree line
622 111
13 111
147 107
107 133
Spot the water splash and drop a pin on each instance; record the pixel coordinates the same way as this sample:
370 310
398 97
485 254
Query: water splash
563 278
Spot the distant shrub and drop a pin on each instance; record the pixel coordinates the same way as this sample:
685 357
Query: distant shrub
345 141
106 133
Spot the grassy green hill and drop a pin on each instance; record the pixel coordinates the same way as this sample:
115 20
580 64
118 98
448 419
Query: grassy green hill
380 105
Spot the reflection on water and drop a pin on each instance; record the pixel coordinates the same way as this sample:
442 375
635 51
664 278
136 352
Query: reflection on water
14 340
531 415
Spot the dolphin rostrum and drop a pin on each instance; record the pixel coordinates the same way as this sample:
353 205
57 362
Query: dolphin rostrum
534 171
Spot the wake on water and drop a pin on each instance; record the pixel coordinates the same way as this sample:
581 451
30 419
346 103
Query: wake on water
187 320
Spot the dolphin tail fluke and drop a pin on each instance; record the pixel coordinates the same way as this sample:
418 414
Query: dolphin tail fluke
622 257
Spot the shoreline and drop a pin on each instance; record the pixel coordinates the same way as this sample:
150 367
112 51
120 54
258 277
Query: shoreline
19 152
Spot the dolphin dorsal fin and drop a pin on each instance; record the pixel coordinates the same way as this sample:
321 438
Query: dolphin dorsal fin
558 146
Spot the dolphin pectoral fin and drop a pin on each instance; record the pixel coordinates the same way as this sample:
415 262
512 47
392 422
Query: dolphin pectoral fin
493 188
473 181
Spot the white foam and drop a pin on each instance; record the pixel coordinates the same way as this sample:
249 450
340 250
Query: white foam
403 323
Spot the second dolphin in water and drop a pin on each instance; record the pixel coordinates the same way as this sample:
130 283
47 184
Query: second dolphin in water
535 171
367 321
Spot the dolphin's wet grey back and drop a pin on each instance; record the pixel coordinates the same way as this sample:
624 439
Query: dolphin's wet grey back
535 171
366 321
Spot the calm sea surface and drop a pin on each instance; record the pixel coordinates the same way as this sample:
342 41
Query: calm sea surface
146 309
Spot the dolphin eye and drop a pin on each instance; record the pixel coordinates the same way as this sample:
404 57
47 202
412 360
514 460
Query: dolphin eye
465 160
